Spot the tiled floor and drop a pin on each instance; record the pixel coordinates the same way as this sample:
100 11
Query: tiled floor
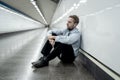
20 49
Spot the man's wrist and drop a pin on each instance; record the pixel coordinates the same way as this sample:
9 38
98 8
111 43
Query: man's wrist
54 37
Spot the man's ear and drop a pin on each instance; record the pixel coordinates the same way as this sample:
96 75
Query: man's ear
75 24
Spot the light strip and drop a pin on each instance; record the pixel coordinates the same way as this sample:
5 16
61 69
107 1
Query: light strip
36 7
18 14
75 6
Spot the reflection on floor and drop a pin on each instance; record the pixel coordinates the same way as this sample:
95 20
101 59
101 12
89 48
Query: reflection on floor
18 50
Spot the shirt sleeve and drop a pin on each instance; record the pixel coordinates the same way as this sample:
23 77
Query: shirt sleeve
72 38
57 32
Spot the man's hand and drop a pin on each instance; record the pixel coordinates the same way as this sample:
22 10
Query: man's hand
51 40
51 37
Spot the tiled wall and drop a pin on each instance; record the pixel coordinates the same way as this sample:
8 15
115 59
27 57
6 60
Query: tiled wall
99 24
10 21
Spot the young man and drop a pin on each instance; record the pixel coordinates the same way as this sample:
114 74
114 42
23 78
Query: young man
65 42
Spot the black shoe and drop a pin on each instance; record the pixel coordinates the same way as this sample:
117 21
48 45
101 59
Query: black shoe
41 58
33 63
43 63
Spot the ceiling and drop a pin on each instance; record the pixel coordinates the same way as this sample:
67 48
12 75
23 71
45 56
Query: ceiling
47 8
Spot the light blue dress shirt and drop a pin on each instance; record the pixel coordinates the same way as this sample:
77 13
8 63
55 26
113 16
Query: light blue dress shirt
71 37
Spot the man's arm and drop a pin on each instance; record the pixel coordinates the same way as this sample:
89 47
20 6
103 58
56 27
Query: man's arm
57 32
68 39
51 37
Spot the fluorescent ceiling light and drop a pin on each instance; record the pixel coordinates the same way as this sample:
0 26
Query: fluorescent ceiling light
83 1
35 5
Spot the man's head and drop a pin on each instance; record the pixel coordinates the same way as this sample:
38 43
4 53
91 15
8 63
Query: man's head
72 22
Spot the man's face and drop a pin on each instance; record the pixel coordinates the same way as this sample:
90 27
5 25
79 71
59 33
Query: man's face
70 23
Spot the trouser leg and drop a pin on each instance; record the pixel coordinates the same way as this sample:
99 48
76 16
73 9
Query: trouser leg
46 49
64 51
67 55
55 52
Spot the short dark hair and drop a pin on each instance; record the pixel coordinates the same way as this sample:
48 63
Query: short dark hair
75 17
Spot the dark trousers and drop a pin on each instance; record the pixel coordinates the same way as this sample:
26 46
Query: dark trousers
63 51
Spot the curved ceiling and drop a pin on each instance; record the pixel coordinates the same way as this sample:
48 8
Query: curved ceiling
46 7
